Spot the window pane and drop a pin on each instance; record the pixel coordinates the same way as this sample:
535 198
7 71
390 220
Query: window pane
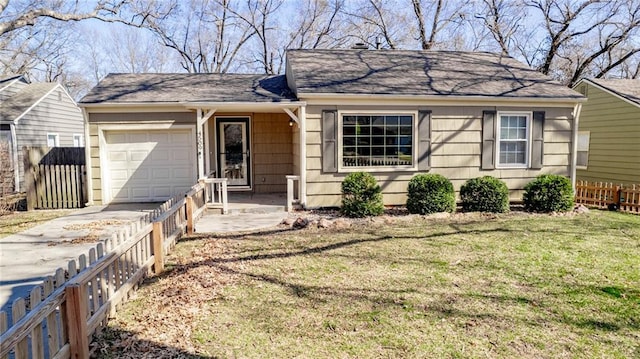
377 140
583 158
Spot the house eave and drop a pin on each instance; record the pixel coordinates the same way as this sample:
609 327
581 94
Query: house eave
236 106
607 90
339 98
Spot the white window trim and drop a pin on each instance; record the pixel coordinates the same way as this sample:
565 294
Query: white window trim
588 133
56 139
414 142
529 115
81 139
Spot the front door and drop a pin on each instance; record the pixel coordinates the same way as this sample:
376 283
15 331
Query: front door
233 151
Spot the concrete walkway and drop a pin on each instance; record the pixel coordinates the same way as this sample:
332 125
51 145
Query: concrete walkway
28 257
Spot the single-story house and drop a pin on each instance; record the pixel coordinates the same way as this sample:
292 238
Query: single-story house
36 114
391 113
609 131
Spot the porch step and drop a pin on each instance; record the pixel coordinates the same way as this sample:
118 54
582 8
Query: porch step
258 209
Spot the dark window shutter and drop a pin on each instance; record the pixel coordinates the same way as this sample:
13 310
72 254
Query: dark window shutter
329 141
537 140
488 140
424 140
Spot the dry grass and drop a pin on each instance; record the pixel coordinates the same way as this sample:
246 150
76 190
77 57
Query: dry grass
526 286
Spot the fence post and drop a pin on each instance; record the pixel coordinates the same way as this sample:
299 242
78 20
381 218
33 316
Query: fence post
77 307
158 248
190 220
616 197
29 179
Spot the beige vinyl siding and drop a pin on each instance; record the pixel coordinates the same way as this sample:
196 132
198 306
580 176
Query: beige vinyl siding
456 139
272 158
56 113
614 143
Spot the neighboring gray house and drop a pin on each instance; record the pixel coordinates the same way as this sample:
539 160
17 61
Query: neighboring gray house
36 114
390 113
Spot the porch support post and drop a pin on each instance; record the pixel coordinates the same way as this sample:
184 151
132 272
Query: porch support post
201 120
14 155
302 124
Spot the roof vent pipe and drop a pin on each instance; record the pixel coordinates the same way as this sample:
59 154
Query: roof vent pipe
360 46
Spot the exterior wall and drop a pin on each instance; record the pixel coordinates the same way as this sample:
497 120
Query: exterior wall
272 155
57 113
456 143
146 119
614 144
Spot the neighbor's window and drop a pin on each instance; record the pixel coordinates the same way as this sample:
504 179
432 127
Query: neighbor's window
78 140
513 139
53 140
583 149
377 141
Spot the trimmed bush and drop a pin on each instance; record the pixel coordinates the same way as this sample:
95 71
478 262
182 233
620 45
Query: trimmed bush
548 193
361 196
430 193
485 194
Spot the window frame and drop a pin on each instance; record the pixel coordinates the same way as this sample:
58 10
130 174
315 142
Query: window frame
56 139
499 140
578 150
80 139
396 168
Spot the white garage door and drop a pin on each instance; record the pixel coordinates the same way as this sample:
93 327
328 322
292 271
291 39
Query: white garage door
149 166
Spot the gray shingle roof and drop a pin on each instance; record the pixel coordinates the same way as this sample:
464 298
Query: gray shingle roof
176 88
629 89
419 73
17 104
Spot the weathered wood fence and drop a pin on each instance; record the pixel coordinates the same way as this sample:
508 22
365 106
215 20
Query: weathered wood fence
608 195
61 315
55 178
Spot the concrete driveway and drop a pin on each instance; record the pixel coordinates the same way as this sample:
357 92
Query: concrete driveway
28 257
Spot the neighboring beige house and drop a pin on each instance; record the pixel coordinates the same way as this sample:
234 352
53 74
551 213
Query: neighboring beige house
36 114
609 131
391 113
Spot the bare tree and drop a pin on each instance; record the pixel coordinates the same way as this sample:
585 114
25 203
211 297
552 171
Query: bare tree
318 25
441 15
502 18
582 33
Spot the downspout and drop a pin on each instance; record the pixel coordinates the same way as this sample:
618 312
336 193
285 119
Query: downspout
87 157
303 156
574 147
14 154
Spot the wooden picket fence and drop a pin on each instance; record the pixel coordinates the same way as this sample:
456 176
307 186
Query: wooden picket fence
608 195
61 315
55 178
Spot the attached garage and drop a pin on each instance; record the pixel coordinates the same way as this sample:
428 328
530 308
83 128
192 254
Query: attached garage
148 166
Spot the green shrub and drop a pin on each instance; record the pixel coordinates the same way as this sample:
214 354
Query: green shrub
485 194
548 193
361 196
430 193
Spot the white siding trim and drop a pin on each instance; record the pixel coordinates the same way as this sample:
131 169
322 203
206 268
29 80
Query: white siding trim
574 145
16 165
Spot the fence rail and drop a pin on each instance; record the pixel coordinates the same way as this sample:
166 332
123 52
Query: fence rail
62 314
608 195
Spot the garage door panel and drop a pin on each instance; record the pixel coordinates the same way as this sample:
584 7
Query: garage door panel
160 155
139 155
149 165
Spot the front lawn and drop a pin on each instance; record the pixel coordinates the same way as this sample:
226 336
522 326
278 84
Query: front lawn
514 285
